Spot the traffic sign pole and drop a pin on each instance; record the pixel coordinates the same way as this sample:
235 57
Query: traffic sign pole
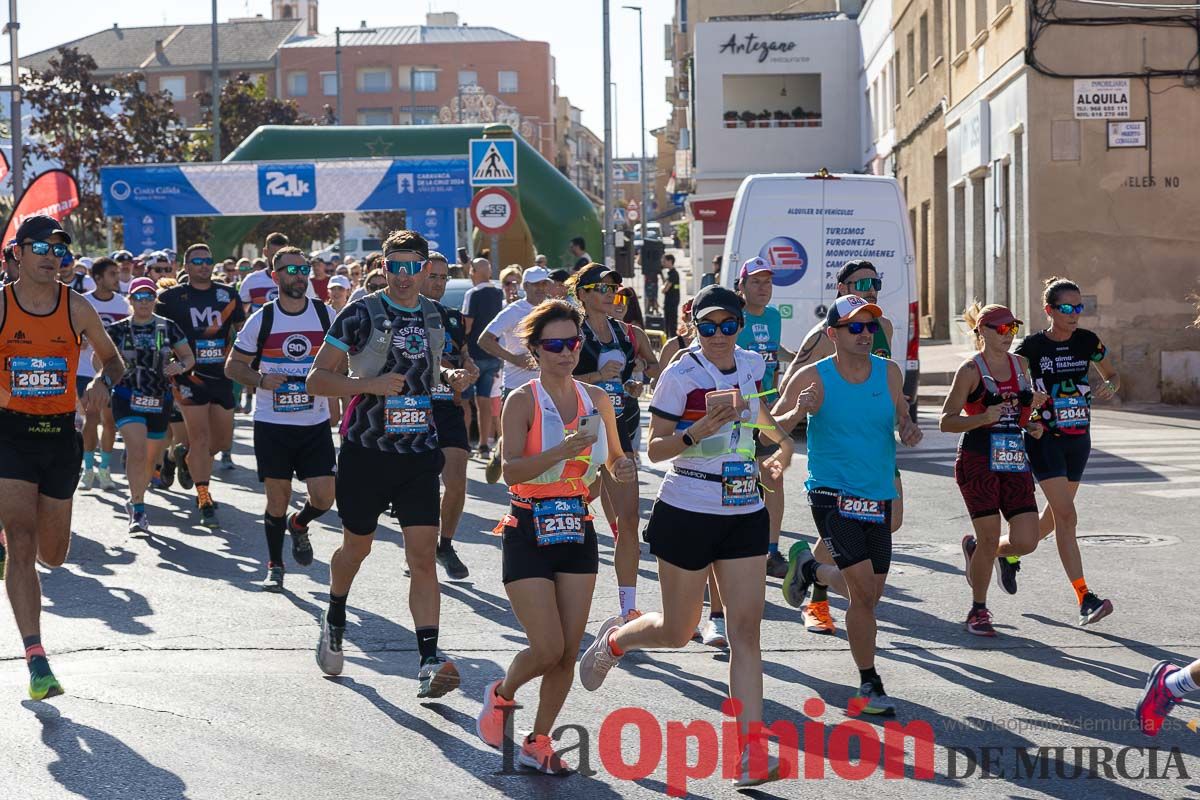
494 242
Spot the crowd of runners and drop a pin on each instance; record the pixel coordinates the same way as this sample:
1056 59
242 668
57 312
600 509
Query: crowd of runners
366 389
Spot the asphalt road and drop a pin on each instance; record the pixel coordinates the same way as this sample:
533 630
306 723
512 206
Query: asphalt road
185 680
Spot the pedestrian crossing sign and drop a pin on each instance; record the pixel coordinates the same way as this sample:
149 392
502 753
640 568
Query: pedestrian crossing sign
493 162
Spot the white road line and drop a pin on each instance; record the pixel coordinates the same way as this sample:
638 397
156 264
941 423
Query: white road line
1169 493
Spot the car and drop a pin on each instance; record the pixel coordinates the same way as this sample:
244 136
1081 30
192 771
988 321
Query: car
456 289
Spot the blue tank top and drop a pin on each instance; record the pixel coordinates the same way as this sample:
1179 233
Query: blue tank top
851 439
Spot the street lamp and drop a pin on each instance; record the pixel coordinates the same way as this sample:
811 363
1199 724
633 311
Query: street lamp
609 239
642 129
337 62
612 88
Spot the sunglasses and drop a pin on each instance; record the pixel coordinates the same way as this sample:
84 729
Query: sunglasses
1062 308
376 287
142 297
858 327
557 345
1005 328
41 248
199 261
163 270
511 284
866 284
297 269
410 267
602 288
442 278
728 327
620 300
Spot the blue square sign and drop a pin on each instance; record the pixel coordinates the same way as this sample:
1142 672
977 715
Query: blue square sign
493 162
287 187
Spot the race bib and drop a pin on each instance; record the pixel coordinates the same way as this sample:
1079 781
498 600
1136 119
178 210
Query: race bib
769 352
442 392
616 393
145 403
739 483
210 351
291 396
1071 412
558 521
407 414
862 509
1008 453
38 377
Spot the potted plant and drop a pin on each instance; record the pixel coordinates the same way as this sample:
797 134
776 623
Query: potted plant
731 119
782 119
748 119
799 116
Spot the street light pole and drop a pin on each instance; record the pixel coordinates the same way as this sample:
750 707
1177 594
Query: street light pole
609 244
612 89
216 90
642 130
18 156
337 70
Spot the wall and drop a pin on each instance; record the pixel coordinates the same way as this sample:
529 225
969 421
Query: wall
878 130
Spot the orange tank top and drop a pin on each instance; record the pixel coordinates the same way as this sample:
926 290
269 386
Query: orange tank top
39 356
571 478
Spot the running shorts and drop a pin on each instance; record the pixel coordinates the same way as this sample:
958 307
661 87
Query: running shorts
370 481
693 540
303 450
156 424
1058 455
851 541
53 461
451 425
987 492
196 390
627 424
489 370
522 558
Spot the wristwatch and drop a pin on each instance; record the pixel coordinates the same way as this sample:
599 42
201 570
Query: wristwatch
107 380
688 440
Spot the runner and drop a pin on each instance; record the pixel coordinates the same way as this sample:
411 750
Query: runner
550 551
708 510
389 456
448 415
124 260
861 279
608 359
141 402
1166 685
98 446
559 290
41 322
1059 360
854 401
208 314
273 352
989 404
500 340
481 304
670 292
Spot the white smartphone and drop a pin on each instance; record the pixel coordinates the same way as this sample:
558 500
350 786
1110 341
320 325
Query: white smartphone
590 424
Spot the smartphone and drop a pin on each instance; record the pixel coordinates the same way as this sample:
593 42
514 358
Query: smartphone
590 425
723 397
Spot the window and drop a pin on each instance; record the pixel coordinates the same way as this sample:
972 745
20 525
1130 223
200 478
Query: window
508 81
374 116
938 29
980 16
889 108
910 46
374 81
923 29
298 84
960 26
467 77
329 84
424 80
176 87
896 79
790 100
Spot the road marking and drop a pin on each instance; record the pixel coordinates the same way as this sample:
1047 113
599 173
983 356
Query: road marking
1169 493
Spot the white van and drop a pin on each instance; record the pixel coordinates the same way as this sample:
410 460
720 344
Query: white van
807 226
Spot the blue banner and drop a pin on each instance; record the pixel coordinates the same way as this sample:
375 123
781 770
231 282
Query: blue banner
149 232
160 190
439 228
424 183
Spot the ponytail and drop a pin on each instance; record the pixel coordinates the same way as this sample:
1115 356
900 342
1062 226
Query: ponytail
1055 286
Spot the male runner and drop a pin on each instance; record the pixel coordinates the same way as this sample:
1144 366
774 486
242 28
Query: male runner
41 323
392 342
208 313
854 402
481 304
98 447
449 417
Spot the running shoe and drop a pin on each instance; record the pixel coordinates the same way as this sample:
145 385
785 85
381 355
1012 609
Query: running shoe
753 774
484 451
713 633
227 461
1093 609
185 475
538 753
979 622
168 471
134 527
87 480
455 568
104 481
302 549
142 520
208 516
274 580
1006 573
777 566
329 647
794 586
3 555
817 618
877 702
968 548
1158 700
437 676
494 467
157 483
597 660
490 722
43 685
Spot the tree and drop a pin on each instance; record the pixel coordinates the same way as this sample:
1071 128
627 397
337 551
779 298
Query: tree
150 129
245 105
382 223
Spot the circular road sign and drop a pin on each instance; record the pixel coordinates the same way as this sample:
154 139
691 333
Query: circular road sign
493 210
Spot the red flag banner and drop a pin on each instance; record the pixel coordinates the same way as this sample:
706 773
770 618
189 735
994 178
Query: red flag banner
3 165
54 192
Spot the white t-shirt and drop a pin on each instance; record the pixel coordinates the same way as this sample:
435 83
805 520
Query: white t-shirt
290 349
679 396
259 288
114 309
504 328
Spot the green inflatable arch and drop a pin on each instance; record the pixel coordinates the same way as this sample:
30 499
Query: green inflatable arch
554 208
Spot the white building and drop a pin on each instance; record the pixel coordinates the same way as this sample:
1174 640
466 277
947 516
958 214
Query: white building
876 87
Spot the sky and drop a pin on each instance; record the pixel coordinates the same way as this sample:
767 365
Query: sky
572 27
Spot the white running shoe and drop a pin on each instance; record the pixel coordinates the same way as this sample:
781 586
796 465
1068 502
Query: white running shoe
713 633
598 659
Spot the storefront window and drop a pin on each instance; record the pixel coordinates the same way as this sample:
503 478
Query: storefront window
772 101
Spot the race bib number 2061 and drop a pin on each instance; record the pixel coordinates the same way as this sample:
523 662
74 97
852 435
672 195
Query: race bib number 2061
38 377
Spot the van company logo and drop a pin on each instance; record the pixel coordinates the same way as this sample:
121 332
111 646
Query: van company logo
788 260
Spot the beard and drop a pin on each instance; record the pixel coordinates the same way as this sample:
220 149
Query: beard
295 292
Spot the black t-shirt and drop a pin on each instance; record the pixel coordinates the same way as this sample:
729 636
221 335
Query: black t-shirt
1060 369
481 303
453 351
581 262
145 351
208 318
652 256
672 293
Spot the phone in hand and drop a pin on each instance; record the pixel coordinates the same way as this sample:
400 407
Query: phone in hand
723 397
590 425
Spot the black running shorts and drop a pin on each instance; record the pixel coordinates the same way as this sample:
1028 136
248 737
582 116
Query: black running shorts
693 540
451 425
370 481
1058 455
524 559
303 450
51 462
196 390
851 541
156 424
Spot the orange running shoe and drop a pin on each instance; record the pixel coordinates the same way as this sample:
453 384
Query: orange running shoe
817 618
490 722
631 616
538 753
